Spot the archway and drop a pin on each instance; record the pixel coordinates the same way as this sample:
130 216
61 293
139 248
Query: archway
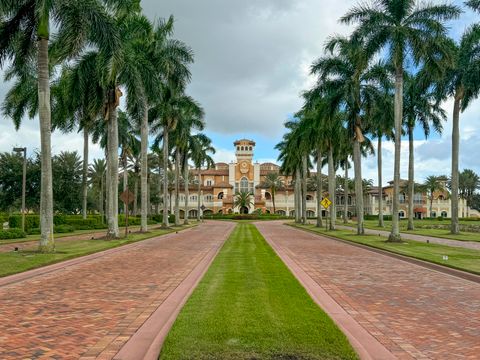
243 210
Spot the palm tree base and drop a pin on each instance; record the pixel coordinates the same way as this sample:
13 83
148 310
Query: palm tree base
46 249
394 238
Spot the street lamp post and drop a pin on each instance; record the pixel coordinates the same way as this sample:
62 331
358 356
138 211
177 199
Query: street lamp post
24 181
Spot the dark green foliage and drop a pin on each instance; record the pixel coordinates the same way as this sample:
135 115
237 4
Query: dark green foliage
245 217
62 229
375 217
12 234
31 221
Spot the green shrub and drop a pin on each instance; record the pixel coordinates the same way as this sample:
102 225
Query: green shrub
62 229
31 222
33 231
12 234
171 218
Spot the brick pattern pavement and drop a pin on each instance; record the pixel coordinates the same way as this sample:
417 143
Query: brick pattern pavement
91 309
416 313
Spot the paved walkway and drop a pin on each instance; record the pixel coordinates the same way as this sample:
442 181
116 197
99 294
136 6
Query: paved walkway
91 309
475 245
414 312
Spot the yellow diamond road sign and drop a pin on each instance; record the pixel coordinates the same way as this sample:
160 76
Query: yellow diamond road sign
326 203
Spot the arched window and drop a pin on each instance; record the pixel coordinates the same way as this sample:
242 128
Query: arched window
444 214
238 148
220 195
401 214
244 184
433 214
441 197
209 183
242 148
268 196
250 148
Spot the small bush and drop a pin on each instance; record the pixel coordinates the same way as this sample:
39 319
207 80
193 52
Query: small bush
31 222
33 231
62 229
12 234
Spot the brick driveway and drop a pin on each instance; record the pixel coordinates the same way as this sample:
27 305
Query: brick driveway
91 309
414 312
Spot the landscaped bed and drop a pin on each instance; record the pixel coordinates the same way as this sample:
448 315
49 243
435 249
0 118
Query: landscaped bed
249 306
458 258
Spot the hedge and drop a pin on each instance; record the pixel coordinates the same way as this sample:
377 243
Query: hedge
12 234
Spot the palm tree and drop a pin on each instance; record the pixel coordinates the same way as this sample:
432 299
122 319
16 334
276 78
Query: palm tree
273 182
432 185
380 124
201 147
96 175
403 29
420 108
25 33
461 81
348 84
469 183
474 4
243 200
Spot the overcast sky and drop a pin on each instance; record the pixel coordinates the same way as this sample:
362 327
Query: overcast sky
252 61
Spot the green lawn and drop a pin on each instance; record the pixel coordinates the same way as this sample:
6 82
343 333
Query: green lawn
459 258
16 262
442 233
249 306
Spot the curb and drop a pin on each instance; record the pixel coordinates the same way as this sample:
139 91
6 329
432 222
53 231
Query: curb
147 342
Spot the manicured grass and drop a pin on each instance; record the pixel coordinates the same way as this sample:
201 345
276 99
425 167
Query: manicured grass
249 306
458 258
16 262
441 233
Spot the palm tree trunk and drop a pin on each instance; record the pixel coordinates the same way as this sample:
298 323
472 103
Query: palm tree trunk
186 192
144 170
177 187
125 181
395 234
304 188
273 201
165 176
331 188
112 216
107 186
455 228
298 195
135 196
47 241
101 198
380 183
159 186
319 188
359 209
345 193
411 178
199 193
85 173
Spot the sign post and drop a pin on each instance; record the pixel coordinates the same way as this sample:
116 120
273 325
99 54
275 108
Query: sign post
326 203
127 197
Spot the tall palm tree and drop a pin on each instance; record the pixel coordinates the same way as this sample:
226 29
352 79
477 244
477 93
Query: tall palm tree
474 4
201 148
348 83
273 181
403 27
461 81
96 175
469 183
432 185
25 33
420 108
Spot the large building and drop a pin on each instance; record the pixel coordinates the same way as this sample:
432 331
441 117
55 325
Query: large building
220 184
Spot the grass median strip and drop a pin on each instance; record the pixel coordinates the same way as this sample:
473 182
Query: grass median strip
249 306
16 262
458 258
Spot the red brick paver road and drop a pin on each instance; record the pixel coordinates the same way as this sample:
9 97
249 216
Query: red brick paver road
92 309
414 312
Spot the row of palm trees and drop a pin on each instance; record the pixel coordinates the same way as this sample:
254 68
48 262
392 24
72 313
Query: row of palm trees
385 79
72 61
